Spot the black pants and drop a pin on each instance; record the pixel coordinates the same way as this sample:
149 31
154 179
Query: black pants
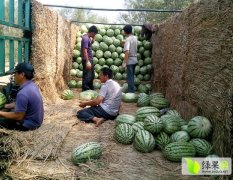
87 114
12 125
88 77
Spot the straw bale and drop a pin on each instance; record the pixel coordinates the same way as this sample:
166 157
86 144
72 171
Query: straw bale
193 62
64 53
45 142
9 149
51 51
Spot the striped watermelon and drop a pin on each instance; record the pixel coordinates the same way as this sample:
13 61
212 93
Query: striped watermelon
157 94
184 128
129 97
159 102
142 94
67 94
203 147
3 100
161 140
199 127
171 123
180 136
144 141
125 118
176 150
142 112
173 112
124 133
138 126
91 150
143 100
153 124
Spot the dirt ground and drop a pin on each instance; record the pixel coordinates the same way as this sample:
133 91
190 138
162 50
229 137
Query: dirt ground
117 162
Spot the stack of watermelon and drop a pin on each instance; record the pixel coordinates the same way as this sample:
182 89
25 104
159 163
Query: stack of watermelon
108 52
170 133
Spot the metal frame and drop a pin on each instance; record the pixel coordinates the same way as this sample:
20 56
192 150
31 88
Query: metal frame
23 24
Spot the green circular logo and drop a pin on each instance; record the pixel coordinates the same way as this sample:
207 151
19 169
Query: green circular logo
223 165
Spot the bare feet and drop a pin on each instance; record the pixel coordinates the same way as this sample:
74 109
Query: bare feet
98 121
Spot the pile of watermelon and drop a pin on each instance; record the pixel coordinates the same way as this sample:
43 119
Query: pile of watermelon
149 129
108 52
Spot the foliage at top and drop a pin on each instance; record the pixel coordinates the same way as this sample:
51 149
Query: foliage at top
151 17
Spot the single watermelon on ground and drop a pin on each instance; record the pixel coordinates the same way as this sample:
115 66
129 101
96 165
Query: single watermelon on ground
199 127
124 133
176 150
144 141
85 152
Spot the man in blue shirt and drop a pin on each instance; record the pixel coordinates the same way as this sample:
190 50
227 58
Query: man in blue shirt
28 113
87 58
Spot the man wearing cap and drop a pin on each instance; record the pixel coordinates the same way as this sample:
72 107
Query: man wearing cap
28 113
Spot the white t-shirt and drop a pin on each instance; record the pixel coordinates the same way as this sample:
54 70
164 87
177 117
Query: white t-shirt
111 91
131 46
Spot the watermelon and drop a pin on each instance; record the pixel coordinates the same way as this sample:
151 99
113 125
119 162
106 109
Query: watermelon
153 124
3 100
184 128
124 133
102 32
138 126
79 84
143 89
98 37
142 112
159 102
99 54
125 118
199 127
180 136
144 141
84 152
118 76
129 97
173 112
96 85
203 147
143 100
155 95
72 84
88 95
176 150
103 46
161 140
73 72
171 123
67 94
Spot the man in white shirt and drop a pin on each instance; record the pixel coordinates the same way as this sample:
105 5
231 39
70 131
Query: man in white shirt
130 60
106 105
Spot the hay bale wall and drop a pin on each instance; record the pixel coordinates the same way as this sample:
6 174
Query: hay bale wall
51 51
193 65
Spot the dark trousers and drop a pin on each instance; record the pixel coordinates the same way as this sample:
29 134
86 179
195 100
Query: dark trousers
88 77
130 77
88 114
12 125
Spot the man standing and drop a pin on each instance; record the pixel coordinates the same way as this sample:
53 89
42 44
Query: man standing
87 58
106 105
28 108
130 60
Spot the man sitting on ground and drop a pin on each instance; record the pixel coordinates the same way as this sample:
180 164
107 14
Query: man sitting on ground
106 105
28 113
